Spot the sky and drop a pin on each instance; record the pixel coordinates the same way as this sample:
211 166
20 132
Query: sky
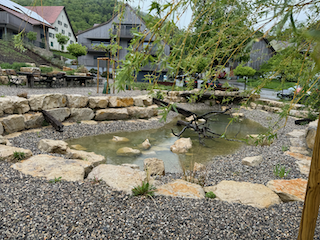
186 17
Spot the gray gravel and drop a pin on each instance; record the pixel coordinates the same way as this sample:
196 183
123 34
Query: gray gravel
32 208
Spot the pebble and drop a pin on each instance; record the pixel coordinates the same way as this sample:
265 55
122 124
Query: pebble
33 208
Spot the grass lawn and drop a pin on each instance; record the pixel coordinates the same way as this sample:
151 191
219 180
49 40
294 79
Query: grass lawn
66 55
273 84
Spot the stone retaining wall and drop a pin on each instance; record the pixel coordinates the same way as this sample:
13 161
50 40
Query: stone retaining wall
18 114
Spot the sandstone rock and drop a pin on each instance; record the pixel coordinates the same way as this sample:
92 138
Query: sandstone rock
53 146
30 69
51 167
98 102
79 114
33 120
60 113
155 109
298 142
111 114
32 64
302 150
182 145
253 105
181 188
7 152
141 101
223 108
126 151
89 122
255 195
66 69
140 112
1 129
3 140
297 133
21 105
78 147
13 123
133 166
91 157
289 190
121 178
47 101
298 156
252 161
199 167
6 106
311 134
154 166
304 166
80 74
240 115
119 139
146 144
4 80
76 101
120 101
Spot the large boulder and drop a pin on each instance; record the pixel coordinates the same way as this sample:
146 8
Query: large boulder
1 129
7 152
13 123
76 101
252 161
121 178
4 80
98 102
297 133
126 151
120 101
289 190
255 195
140 112
20 104
30 70
146 144
154 166
6 106
112 114
47 101
90 157
182 145
181 188
53 146
80 114
59 113
51 167
142 100
33 120
154 108
311 134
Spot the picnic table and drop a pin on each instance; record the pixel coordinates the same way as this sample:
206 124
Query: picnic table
72 79
30 78
50 80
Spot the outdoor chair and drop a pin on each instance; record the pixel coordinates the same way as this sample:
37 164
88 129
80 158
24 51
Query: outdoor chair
13 78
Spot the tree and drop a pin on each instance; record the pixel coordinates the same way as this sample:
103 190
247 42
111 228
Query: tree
62 40
32 36
77 50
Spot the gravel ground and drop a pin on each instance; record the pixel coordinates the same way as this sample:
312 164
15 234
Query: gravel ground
32 208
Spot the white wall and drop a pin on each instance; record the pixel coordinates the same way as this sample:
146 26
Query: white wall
63 18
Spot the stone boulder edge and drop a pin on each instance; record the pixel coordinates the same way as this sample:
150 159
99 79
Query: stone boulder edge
60 113
47 101
98 102
13 123
289 190
154 166
255 195
33 120
111 114
76 101
182 145
181 188
53 146
252 161
7 152
121 178
127 151
120 101
91 157
81 114
51 167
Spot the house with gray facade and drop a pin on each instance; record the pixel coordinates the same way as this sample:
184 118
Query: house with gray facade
100 34
260 53
14 18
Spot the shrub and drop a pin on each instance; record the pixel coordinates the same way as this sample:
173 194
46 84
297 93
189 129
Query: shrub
19 156
244 71
46 69
210 195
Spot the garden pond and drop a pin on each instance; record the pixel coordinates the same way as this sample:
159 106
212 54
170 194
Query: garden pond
162 138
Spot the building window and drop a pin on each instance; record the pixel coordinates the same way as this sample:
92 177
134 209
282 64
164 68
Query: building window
69 34
56 29
51 44
51 35
71 42
65 25
59 22
62 31
96 43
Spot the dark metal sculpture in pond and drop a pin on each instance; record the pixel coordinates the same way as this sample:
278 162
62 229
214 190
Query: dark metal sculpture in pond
201 128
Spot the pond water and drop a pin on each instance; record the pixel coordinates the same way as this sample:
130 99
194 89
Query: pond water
162 138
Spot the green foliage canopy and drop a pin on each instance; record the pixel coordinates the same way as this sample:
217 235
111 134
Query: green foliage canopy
62 39
77 50
32 36
244 71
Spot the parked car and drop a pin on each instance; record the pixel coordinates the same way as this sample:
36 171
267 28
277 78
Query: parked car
289 93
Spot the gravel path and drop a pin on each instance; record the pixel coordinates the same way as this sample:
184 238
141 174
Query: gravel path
32 208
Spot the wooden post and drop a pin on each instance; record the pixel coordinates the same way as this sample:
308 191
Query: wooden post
312 199
98 76
108 76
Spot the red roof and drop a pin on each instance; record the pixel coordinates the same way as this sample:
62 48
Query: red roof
49 13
